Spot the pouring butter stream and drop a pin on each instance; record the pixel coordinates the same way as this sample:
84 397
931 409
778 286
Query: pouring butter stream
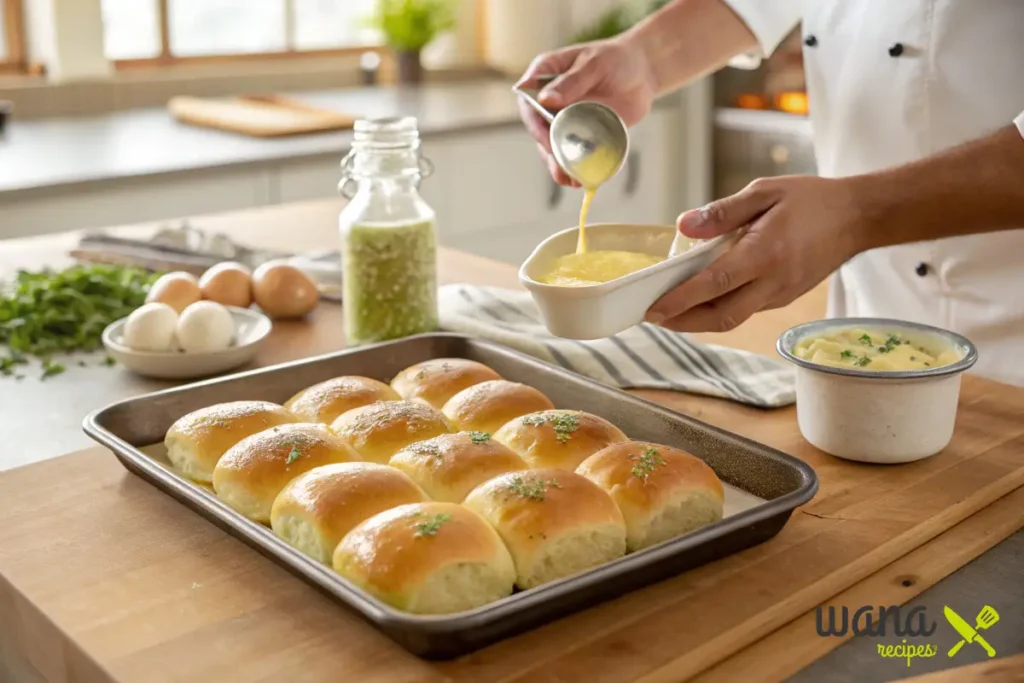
590 142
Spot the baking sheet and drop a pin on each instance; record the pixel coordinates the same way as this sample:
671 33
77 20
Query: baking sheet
763 485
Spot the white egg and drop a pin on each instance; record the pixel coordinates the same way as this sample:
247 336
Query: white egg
150 327
205 326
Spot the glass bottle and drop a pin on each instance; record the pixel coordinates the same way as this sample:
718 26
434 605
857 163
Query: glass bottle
388 235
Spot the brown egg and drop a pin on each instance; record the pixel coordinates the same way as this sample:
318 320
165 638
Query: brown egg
177 290
228 283
284 291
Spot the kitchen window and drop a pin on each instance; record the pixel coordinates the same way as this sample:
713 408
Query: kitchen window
161 32
12 56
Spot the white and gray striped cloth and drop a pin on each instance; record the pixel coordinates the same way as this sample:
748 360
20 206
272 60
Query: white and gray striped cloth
642 357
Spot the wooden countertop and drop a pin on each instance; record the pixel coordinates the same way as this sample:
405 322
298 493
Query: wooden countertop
53 409
103 578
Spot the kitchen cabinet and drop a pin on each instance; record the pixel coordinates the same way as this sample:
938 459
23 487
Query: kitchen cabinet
133 200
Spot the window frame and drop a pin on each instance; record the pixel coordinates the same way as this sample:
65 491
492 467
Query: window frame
14 28
167 58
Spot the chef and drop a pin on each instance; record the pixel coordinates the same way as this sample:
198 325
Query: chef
916 112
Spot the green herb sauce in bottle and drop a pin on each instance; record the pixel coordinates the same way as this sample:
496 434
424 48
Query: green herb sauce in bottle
388 235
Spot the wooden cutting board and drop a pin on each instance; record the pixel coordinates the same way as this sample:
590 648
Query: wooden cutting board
258 115
104 578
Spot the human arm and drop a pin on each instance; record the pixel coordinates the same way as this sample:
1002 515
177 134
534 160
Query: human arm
680 42
802 228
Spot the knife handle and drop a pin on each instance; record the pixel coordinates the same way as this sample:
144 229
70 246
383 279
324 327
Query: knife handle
956 648
988 648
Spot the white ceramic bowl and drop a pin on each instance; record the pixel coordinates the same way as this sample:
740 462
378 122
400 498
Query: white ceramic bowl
599 311
251 329
878 416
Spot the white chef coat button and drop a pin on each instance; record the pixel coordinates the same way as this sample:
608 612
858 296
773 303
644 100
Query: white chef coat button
811 41
896 49
922 269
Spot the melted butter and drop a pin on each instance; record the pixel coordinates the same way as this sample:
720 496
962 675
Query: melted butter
595 267
591 171
874 351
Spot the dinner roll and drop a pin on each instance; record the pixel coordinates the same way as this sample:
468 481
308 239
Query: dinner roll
558 438
325 401
380 430
427 558
316 509
257 468
488 406
436 381
451 465
555 523
198 440
663 492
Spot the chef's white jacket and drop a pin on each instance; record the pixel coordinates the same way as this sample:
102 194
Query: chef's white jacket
892 81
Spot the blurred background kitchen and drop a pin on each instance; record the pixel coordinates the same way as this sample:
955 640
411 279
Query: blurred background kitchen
110 112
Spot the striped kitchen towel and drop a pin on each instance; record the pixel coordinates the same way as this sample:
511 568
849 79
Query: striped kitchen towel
642 357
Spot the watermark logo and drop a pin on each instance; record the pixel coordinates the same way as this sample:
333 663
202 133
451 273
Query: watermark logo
986 619
913 623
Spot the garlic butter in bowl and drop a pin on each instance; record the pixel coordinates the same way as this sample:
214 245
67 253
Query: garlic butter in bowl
877 390
608 287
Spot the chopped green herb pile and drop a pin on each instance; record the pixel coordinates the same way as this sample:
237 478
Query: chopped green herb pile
863 362
432 525
479 437
865 339
846 354
646 462
49 312
533 489
890 343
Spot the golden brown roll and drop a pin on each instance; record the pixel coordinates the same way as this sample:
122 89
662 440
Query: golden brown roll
198 440
488 406
662 492
257 468
380 430
316 509
554 523
325 401
436 381
451 465
558 438
427 558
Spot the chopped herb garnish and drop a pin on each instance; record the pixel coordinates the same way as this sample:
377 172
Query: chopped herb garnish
49 312
564 424
927 365
479 437
51 369
109 360
432 525
865 361
891 342
866 339
913 358
533 489
846 354
647 461
293 455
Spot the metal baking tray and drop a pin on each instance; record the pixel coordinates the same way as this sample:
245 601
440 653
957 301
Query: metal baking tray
763 485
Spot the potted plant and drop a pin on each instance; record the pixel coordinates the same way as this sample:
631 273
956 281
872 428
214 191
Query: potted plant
410 25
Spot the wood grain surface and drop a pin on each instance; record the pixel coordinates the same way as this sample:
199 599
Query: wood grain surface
103 578
1002 670
257 116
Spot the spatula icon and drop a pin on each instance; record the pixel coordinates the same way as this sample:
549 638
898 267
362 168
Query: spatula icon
986 618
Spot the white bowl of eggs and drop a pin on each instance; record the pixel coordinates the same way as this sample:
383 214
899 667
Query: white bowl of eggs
197 327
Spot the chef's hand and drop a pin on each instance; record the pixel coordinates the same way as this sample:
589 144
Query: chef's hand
613 72
799 229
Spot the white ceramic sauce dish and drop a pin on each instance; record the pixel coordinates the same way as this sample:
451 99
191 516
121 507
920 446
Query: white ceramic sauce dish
884 417
599 311
251 329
